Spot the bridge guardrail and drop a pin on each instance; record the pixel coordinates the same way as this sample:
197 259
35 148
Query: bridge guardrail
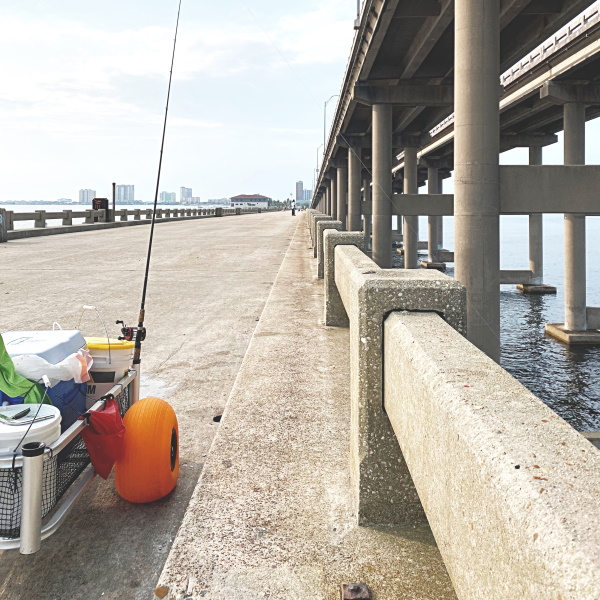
41 218
439 430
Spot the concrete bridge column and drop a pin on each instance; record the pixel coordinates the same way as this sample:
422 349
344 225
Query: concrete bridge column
411 223
327 203
367 219
382 185
354 174
575 276
536 230
333 198
441 219
433 223
476 163
398 188
342 196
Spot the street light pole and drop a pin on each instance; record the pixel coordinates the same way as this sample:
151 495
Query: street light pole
325 119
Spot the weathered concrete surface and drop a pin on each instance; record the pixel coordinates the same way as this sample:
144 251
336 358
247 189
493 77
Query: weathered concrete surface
380 479
510 489
318 231
209 281
321 226
272 515
335 314
314 219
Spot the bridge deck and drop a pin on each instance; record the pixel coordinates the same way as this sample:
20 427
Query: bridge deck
209 282
272 514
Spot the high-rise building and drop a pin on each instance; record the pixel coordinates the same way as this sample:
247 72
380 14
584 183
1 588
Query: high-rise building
124 194
307 195
184 195
86 196
299 191
168 197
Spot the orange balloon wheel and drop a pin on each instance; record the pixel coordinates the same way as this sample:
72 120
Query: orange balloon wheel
149 467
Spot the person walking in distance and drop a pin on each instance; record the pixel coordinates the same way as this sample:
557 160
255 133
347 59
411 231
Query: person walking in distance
293 208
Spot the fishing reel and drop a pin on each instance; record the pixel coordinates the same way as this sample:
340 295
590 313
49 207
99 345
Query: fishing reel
129 333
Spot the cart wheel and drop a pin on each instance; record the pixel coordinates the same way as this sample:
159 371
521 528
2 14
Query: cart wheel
149 467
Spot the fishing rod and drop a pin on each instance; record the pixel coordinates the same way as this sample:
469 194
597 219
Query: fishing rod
138 334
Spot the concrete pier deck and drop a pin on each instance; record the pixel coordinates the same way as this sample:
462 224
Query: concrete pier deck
210 279
272 515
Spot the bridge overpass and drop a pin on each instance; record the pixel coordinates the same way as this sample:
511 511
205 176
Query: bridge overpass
440 85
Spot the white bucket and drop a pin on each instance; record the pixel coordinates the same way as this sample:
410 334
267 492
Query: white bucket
112 360
45 428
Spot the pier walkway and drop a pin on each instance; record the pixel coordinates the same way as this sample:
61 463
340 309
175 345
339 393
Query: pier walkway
210 279
273 515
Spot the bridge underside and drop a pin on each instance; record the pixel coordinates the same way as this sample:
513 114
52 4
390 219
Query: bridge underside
437 86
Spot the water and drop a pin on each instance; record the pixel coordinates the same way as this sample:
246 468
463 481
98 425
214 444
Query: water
567 378
31 208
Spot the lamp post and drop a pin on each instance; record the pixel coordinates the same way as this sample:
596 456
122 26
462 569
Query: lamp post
325 118
316 175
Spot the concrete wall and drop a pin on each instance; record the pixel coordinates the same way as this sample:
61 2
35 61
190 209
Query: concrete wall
509 488
27 233
382 486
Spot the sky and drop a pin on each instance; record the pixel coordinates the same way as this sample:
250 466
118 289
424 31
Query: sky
84 88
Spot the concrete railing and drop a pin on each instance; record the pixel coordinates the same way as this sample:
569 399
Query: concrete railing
510 490
97 219
441 432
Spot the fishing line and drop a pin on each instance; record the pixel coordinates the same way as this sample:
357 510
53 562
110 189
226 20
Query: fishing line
140 333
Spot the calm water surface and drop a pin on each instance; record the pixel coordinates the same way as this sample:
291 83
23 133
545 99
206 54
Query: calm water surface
566 378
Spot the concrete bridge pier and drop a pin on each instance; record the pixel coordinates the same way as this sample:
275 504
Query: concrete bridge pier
354 175
536 242
476 166
327 198
382 185
411 223
342 196
575 328
367 219
435 225
397 234
575 276
333 197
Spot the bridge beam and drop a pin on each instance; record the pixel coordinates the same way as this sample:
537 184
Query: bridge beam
565 93
527 140
404 95
477 176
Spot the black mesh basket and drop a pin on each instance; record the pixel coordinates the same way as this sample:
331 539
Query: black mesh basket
60 472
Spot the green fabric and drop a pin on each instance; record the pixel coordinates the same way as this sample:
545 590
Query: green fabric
15 386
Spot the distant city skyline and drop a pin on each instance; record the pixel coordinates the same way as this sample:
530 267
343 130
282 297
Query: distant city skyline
86 196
